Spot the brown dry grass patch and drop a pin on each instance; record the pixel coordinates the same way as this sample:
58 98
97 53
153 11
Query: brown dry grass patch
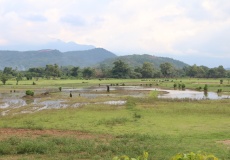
31 133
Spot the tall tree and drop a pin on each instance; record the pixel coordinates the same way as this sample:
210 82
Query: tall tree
120 70
167 69
88 72
4 78
52 71
147 70
9 71
221 72
75 71
18 77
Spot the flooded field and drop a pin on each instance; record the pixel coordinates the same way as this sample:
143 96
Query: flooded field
16 103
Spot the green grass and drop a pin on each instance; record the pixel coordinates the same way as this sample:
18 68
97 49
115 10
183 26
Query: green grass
162 127
190 83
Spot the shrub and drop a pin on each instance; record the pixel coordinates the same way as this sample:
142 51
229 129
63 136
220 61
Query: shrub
183 86
31 146
219 90
205 87
221 81
153 94
29 93
124 157
135 116
174 85
60 88
194 156
5 148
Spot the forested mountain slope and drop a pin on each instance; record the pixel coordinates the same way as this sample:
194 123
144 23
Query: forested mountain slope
138 60
28 59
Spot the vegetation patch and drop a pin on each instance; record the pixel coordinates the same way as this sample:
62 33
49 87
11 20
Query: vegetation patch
113 121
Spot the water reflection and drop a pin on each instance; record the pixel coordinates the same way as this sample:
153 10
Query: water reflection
138 91
14 103
10 101
192 95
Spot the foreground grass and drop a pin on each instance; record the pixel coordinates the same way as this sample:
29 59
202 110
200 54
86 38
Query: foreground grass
161 127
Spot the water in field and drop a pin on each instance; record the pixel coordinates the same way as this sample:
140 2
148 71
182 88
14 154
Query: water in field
140 91
13 100
115 91
179 94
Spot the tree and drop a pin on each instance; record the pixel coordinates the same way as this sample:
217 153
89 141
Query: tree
28 76
120 70
18 78
4 78
88 72
221 72
147 70
37 72
52 71
9 71
75 71
66 71
212 73
166 69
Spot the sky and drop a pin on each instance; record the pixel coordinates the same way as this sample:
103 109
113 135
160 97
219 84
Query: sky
194 31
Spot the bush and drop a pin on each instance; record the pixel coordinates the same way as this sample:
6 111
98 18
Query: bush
31 146
124 157
183 86
174 85
60 88
194 156
153 94
5 148
136 116
219 90
221 81
29 93
205 87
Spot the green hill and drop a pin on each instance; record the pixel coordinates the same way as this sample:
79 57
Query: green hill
28 59
138 60
87 58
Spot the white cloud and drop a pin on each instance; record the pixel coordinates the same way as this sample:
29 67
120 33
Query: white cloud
177 27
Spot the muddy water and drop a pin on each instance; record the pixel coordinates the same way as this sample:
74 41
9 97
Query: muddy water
115 91
192 95
13 103
10 101
138 91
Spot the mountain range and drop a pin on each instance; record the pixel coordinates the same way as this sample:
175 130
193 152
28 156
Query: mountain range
138 60
71 54
28 59
53 45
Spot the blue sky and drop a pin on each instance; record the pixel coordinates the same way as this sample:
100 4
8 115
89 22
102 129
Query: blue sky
195 31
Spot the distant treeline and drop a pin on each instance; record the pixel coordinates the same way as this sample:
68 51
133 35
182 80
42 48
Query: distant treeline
119 69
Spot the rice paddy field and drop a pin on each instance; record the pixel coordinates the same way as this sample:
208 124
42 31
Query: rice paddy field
129 119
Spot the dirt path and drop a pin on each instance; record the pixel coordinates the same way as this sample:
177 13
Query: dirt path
11 132
226 142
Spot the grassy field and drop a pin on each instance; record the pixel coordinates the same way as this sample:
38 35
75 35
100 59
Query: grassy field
190 83
162 127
